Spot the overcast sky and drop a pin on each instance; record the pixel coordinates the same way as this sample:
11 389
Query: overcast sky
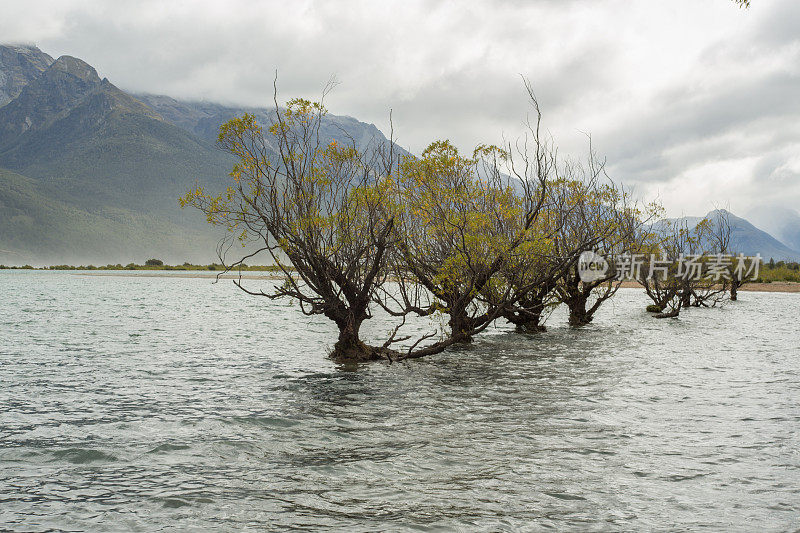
695 102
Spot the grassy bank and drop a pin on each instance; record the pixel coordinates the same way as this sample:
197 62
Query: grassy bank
769 272
779 271
152 266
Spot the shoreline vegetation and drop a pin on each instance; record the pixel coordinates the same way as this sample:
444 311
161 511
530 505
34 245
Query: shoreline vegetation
780 272
213 267
779 278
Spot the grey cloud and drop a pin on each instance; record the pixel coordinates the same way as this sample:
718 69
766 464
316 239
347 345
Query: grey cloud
682 118
451 69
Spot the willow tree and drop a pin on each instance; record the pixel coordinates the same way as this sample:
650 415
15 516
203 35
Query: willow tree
526 290
674 273
458 221
316 209
709 243
718 241
580 213
602 219
657 270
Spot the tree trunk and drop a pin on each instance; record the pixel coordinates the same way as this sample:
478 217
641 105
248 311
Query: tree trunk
577 311
527 315
686 298
671 314
349 347
734 290
528 321
460 326
531 325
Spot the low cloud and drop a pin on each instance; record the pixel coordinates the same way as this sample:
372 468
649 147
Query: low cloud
694 101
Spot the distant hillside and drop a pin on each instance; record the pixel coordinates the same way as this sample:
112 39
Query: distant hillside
36 227
745 237
92 144
783 223
92 173
19 65
203 119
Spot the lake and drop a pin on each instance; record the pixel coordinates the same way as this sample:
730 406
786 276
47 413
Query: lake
142 403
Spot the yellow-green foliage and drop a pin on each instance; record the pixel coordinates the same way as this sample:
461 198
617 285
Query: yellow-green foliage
290 190
451 217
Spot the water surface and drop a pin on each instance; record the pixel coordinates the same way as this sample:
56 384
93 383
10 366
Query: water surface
173 403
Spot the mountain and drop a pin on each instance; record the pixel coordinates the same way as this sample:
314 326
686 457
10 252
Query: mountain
35 227
783 223
91 173
745 237
204 118
92 144
19 65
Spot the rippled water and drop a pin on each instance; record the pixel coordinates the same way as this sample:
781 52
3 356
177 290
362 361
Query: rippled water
133 403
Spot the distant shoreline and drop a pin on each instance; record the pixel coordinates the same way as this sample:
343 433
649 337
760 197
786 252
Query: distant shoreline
207 274
270 274
775 286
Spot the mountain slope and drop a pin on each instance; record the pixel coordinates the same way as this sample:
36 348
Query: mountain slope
93 173
203 119
93 144
783 223
59 87
35 227
19 65
745 237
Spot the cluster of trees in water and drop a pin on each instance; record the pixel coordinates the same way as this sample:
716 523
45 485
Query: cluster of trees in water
493 235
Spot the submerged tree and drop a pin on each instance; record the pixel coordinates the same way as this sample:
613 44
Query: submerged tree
683 267
469 238
731 267
527 284
603 220
458 222
532 279
317 209
583 212
658 269
463 223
